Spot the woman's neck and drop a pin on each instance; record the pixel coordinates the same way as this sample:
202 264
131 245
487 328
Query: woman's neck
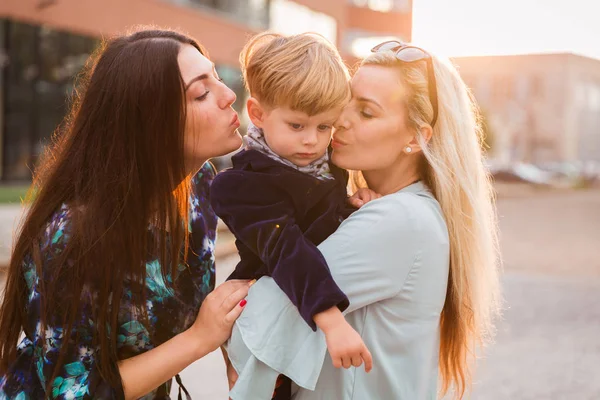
390 180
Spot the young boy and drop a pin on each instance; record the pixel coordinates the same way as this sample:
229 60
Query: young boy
282 197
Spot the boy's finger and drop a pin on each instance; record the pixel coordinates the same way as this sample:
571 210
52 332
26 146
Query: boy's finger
356 361
346 362
366 356
337 362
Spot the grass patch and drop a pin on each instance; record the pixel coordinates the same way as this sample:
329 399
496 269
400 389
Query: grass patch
13 194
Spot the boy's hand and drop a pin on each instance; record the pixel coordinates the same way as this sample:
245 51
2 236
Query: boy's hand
362 197
347 348
344 344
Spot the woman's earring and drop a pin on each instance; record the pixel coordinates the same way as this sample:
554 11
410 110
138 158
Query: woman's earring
408 149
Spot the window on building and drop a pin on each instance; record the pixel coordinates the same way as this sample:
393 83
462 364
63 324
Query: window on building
41 64
290 18
359 42
384 5
254 13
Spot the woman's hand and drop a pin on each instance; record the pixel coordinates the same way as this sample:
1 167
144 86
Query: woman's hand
145 372
217 314
362 197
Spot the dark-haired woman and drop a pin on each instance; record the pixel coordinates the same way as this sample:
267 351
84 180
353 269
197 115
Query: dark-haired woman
108 288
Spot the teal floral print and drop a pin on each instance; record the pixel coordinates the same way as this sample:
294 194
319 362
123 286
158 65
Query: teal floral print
172 307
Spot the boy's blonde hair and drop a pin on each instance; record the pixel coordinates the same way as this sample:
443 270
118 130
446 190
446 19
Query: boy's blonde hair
303 72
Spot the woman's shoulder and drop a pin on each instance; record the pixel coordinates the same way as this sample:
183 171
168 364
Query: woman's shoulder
58 229
202 180
206 173
412 212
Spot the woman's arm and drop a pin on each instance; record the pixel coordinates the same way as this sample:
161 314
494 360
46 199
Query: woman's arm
145 372
373 251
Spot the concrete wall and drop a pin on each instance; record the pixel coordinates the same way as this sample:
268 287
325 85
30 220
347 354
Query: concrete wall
224 38
534 104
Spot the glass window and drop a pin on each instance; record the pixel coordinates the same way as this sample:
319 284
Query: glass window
384 5
42 63
304 19
360 42
19 119
251 12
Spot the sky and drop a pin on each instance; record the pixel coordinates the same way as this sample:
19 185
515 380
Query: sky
487 27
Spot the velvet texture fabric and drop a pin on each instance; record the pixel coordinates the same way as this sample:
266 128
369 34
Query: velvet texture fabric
278 216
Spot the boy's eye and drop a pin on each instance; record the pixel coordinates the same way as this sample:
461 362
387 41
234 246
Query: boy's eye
324 127
294 126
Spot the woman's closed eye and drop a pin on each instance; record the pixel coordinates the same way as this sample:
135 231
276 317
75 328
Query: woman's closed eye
203 96
365 114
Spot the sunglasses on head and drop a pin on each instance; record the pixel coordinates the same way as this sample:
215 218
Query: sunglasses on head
410 54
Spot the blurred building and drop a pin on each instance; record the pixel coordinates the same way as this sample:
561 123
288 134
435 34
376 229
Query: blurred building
44 44
541 108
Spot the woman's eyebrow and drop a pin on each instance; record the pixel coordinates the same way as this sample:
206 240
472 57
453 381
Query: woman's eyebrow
368 100
196 79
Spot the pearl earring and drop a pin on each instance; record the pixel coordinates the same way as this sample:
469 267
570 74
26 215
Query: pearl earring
408 149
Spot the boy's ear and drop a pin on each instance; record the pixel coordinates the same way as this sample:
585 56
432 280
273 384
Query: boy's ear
256 112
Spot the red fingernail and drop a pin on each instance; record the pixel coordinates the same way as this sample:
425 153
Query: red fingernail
243 303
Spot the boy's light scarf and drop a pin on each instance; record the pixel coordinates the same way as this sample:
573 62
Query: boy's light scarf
255 139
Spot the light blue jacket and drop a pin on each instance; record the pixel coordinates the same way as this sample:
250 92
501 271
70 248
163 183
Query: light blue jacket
391 258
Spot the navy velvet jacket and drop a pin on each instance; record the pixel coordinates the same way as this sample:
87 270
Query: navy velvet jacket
278 216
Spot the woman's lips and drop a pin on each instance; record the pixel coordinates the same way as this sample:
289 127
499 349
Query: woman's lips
336 143
235 121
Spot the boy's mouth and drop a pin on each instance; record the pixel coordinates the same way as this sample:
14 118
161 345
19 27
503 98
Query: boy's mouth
306 155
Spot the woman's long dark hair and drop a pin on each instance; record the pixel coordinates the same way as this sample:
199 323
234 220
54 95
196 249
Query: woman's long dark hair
117 163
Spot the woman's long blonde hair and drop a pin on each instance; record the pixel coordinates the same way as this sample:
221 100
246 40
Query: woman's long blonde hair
453 168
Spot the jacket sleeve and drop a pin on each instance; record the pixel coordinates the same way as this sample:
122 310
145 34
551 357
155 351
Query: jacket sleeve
261 216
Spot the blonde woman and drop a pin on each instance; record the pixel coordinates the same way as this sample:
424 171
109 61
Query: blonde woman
419 264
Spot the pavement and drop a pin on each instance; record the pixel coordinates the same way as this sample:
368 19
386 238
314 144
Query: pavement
10 217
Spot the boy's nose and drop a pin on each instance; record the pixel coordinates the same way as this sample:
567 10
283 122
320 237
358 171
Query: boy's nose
310 139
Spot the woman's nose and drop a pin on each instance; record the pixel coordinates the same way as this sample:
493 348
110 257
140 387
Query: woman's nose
342 121
228 97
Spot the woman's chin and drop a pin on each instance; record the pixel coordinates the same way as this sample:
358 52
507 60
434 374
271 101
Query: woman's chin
340 161
236 142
